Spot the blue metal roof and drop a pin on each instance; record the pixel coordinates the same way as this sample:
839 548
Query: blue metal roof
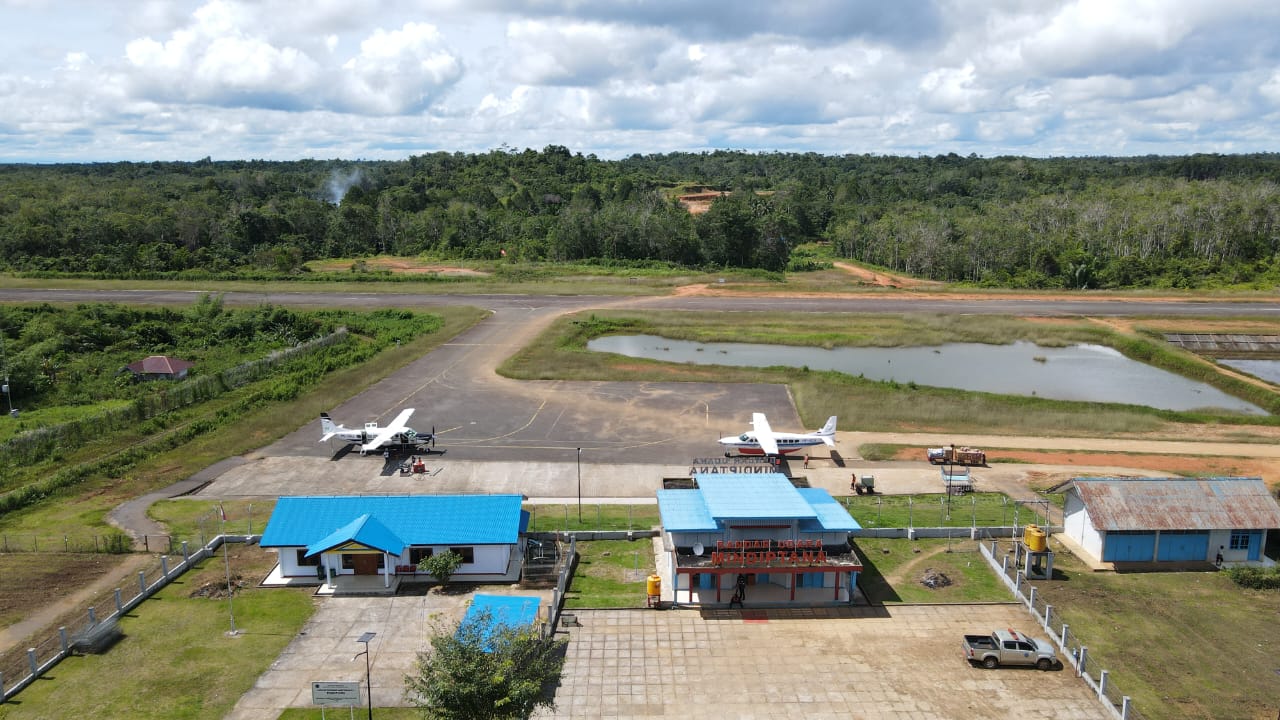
832 516
364 530
752 496
512 611
684 511
302 521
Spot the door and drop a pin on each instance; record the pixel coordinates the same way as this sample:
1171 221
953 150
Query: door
1183 546
1130 547
365 564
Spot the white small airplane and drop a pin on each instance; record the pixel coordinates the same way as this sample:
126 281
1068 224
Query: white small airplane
372 437
762 440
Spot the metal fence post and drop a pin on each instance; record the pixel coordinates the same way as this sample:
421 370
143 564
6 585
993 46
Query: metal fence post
62 638
1102 683
31 660
142 581
1031 600
1063 643
119 605
93 616
186 554
1124 708
164 565
1084 653
1048 611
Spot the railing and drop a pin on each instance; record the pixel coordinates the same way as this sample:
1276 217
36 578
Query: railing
18 670
569 562
1075 652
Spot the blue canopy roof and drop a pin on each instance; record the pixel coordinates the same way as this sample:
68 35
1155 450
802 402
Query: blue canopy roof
503 611
364 530
311 521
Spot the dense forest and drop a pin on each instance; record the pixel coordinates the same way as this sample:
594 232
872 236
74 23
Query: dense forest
1098 222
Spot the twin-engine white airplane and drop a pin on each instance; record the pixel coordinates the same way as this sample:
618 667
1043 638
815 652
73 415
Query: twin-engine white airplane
762 440
372 437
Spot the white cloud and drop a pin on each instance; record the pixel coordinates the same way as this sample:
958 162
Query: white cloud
383 78
401 71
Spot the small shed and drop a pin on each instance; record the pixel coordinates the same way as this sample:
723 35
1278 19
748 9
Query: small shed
159 367
1173 520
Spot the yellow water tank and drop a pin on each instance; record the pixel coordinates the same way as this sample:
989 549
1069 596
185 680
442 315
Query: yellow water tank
1034 539
654 585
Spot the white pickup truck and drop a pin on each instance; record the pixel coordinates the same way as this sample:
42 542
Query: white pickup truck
1009 647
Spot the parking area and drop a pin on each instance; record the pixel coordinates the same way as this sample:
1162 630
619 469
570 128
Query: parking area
894 663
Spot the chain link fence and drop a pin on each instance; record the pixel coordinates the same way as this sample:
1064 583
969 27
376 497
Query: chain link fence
109 543
976 510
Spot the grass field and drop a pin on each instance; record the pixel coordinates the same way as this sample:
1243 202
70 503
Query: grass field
1181 644
561 354
176 660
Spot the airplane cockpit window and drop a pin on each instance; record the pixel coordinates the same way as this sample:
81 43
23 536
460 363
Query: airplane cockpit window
744 438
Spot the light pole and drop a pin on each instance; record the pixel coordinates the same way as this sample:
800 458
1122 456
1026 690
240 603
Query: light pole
4 364
579 487
368 680
231 608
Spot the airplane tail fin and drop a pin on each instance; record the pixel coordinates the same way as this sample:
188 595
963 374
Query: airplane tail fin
326 424
828 431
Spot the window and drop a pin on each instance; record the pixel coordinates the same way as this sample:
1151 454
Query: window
468 554
418 554
304 561
348 562
1240 540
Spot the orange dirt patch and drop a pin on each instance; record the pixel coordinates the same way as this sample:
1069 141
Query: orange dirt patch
872 277
407 266
1175 465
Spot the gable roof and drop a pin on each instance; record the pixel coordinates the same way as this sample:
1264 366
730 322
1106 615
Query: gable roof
1221 503
307 521
750 496
160 365
364 530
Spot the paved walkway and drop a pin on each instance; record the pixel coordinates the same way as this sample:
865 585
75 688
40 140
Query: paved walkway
897 663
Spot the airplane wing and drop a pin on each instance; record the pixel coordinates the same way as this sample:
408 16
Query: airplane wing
764 434
386 433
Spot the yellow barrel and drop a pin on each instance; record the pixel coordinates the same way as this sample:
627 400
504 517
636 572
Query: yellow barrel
1034 539
654 584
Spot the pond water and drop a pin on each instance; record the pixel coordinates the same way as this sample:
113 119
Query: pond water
1268 370
1092 373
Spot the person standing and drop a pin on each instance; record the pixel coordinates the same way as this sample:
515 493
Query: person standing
1217 561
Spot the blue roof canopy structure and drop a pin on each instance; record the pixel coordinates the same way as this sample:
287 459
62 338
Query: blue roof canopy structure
750 496
511 611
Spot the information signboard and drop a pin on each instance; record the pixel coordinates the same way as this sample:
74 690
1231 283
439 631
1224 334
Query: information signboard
335 694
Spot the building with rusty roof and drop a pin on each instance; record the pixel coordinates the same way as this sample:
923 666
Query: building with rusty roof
1175 520
159 367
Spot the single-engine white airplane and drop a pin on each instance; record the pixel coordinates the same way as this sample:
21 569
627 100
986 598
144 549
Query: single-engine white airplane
372 437
762 440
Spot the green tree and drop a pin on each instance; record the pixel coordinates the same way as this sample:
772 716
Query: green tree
486 669
441 565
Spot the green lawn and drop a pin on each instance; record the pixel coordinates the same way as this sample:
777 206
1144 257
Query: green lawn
1180 644
894 568
176 660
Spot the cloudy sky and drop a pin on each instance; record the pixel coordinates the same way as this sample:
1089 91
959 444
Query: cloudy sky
87 80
